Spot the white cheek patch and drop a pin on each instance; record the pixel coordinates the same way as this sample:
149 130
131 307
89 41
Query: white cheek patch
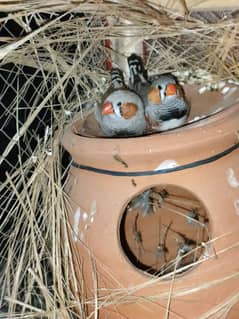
162 94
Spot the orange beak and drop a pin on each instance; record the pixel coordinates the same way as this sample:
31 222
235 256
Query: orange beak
107 108
171 89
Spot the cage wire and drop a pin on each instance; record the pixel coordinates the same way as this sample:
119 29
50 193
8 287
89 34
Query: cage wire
52 70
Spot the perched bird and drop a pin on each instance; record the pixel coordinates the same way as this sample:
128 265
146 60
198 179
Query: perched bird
121 113
165 104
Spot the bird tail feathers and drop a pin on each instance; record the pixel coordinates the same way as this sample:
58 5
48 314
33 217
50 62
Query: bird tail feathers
138 73
117 78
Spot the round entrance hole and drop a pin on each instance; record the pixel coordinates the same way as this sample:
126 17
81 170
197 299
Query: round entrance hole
164 229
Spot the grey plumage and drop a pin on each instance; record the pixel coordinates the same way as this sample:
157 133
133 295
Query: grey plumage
126 116
172 110
164 111
121 112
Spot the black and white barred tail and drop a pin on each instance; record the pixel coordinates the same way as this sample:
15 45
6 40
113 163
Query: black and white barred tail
117 78
138 74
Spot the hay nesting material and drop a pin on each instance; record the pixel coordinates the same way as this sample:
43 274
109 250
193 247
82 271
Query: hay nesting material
53 69
182 6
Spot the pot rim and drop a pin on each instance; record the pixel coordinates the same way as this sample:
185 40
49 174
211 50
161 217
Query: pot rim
193 142
208 121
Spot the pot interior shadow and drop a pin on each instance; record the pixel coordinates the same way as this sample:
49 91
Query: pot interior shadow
164 229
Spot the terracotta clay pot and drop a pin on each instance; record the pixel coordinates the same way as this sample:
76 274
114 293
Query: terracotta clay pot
198 167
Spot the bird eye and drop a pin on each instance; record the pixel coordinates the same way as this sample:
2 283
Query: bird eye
159 87
119 104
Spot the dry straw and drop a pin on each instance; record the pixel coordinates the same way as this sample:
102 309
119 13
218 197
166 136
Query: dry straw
66 51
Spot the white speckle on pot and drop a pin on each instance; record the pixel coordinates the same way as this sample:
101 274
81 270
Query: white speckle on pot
202 90
93 208
230 92
84 216
225 89
196 118
206 253
86 226
233 82
92 219
236 205
231 178
166 164
221 84
76 224
82 236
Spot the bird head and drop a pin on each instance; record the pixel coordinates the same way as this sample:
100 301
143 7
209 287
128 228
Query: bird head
162 87
122 103
125 110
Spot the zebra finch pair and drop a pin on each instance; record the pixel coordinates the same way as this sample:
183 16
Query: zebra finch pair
158 100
